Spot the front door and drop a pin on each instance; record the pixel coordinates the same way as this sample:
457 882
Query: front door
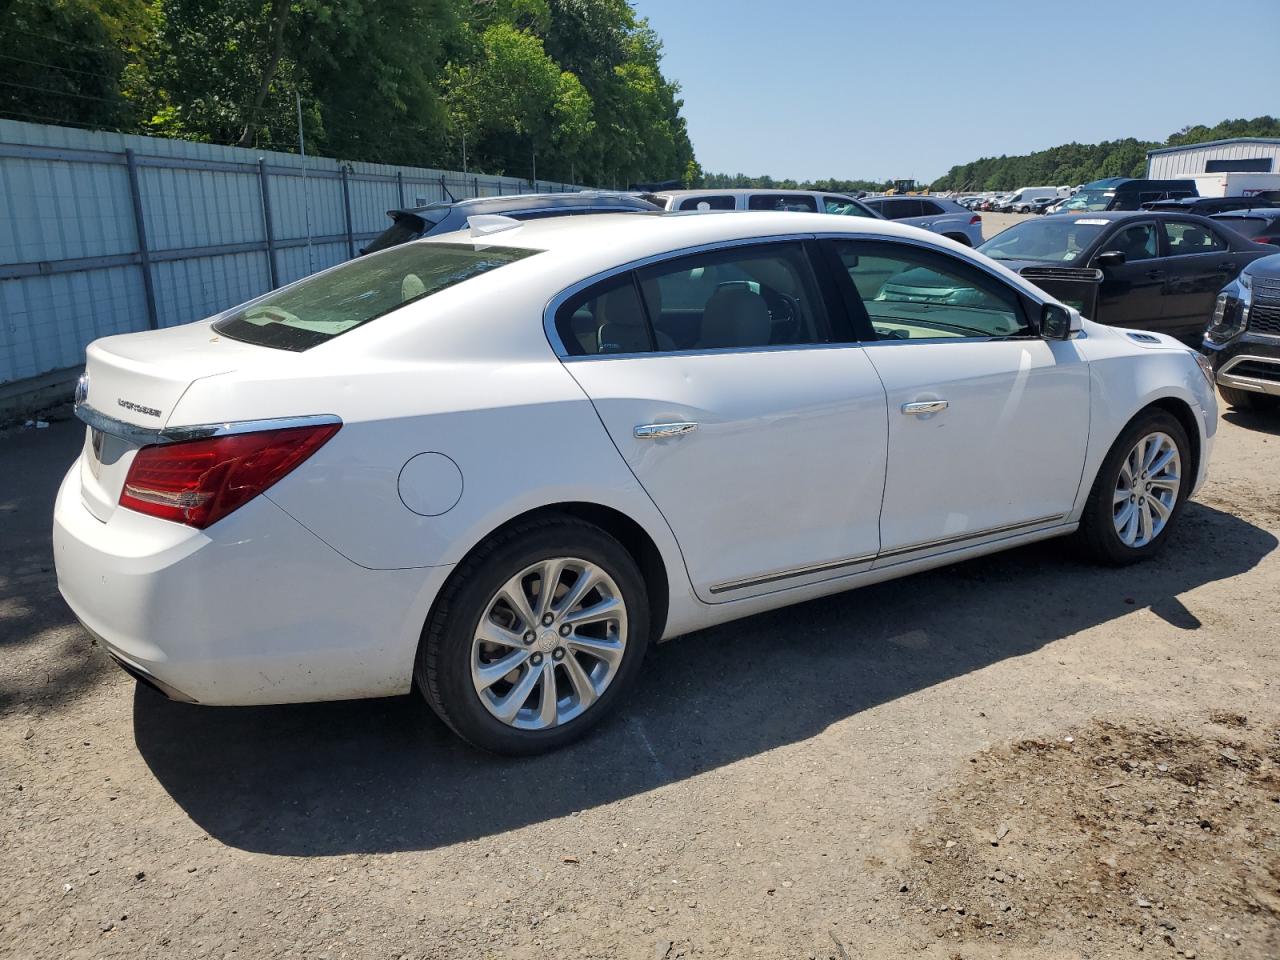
1132 293
988 423
762 443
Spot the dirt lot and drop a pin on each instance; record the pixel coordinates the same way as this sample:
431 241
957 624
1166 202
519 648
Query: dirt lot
1017 757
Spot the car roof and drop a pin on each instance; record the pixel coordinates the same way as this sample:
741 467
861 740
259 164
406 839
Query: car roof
742 191
1260 212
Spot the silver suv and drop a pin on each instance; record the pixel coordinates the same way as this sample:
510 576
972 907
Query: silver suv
932 213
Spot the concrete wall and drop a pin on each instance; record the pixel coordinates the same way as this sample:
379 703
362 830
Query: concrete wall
71 252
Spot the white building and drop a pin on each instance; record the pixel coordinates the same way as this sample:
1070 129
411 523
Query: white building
1238 155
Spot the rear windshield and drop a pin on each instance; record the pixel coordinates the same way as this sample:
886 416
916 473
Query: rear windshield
328 304
1248 226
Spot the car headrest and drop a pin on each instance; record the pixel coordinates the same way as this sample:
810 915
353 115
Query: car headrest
735 317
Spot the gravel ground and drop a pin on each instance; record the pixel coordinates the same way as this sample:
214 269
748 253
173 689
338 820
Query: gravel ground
829 780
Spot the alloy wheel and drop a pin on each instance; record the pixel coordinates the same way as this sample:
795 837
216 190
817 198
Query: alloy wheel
549 643
1147 489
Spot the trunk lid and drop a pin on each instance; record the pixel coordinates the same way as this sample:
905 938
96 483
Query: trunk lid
137 379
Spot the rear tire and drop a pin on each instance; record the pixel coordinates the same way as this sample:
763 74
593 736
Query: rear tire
1138 494
585 652
1247 399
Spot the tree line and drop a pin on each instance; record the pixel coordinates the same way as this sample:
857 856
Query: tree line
1076 163
571 89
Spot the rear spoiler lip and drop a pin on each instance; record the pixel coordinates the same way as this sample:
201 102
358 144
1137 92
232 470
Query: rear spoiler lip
152 436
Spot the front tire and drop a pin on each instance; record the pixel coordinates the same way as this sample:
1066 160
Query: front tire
1139 491
536 638
1247 399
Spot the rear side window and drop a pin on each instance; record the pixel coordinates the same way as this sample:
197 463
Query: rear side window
798 202
1187 238
742 298
930 209
707 203
901 209
329 304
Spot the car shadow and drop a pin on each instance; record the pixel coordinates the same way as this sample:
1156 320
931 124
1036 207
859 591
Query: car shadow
36 628
378 776
1259 421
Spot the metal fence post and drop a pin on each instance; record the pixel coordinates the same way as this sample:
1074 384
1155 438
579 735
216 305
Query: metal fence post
400 186
266 223
346 206
140 224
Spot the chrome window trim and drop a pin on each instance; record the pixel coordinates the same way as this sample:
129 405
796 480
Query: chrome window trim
152 436
553 306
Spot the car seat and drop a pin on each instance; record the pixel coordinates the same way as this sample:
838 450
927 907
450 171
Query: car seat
735 317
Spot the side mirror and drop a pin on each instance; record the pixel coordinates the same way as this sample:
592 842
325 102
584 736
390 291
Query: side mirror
1057 322
1109 258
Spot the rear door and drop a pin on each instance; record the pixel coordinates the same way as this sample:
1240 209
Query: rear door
1132 293
1199 263
759 437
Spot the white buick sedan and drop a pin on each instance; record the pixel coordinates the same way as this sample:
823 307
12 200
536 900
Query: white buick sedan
495 466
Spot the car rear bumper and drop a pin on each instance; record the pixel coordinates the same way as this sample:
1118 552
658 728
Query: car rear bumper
253 610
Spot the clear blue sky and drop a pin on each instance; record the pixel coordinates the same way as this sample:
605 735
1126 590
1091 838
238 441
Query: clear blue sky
824 88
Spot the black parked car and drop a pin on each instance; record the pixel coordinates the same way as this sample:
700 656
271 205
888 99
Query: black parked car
1126 193
1243 338
1261 225
1151 271
447 216
1205 206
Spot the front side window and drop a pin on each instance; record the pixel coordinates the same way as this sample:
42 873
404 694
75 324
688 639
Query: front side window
326 305
1137 242
798 202
707 203
1188 238
910 293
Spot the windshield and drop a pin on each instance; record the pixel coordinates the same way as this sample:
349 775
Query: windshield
1056 239
328 304
1090 200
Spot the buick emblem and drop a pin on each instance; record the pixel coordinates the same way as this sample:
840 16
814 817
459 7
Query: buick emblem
82 389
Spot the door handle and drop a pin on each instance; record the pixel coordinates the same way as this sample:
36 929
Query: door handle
1154 274
924 407
660 431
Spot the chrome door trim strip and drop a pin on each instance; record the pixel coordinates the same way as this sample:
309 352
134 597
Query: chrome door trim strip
975 535
151 436
804 571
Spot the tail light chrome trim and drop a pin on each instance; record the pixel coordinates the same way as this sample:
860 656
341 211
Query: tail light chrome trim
151 436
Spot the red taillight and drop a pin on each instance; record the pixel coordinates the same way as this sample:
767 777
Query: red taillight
198 482
975 219
1267 241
